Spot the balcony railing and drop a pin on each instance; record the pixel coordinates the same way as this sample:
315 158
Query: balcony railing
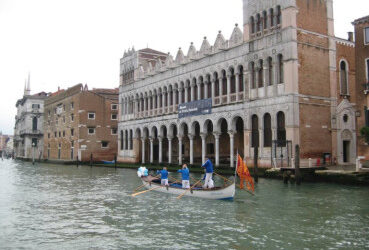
30 132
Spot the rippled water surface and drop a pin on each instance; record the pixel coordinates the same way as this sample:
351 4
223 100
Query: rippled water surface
65 207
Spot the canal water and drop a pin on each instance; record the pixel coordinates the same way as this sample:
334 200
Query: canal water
65 207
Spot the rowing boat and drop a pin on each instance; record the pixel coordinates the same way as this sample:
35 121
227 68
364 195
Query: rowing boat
217 193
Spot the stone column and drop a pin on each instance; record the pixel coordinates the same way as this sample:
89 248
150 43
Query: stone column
199 91
143 149
220 90
206 95
180 98
231 143
192 92
191 148
203 147
174 93
213 91
180 150
237 86
170 150
216 136
261 142
228 88
151 150
144 107
186 94
163 102
160 149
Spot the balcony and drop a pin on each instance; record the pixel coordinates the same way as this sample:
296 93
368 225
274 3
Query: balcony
31 132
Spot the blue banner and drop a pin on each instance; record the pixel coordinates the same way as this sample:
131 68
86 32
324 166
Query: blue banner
195 108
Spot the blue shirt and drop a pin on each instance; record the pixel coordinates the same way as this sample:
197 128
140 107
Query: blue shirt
185 174
208 165
163 174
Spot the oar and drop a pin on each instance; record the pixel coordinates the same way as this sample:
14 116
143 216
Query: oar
223 177
193 178
134 195
143 185
179 197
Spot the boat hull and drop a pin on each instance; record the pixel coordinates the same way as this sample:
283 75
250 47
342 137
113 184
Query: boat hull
226 193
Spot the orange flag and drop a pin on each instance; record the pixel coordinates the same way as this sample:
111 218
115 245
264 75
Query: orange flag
244 174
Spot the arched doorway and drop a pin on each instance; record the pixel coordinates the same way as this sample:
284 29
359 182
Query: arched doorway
224 149
197 143
209 140
238 128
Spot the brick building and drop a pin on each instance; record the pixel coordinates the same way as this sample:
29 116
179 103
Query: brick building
80 122
362 78
285 80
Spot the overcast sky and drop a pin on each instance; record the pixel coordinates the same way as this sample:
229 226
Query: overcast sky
65 42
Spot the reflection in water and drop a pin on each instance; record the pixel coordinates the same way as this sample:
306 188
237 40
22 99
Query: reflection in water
52 206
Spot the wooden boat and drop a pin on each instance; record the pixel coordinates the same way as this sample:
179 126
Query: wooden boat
108 162
217 193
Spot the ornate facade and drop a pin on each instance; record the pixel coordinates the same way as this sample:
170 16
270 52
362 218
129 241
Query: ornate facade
272 85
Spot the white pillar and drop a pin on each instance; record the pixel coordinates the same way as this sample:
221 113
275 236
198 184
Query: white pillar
180 150
228 88
216 136
160 150
231 143
203 148
206 95
237 86
163 102
191 148
151 150
186 94
213 91
198 91
192 93
174 93
143 150
170 150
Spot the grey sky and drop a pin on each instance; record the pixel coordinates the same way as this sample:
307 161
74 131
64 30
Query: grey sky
65 42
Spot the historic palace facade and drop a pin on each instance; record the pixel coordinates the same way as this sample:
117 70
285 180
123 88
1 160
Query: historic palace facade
284 80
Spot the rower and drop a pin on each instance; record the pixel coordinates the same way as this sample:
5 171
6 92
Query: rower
163 176
185 176
209 169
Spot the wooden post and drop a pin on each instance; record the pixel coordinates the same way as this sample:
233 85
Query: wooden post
297 165
256 155
77 161
91 160
115 161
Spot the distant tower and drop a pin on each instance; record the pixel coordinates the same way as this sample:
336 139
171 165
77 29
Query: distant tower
27 85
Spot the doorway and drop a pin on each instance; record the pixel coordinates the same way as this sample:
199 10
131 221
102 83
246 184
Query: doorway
346 151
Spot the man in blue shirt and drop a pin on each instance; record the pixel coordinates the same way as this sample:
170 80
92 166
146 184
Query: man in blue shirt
164 176
209 169
185 176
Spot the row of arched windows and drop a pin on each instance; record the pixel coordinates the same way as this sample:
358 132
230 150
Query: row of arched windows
257 72
267 130
265 20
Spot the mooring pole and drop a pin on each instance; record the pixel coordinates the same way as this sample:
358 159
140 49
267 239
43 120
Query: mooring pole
297 165
77 161
115 161
91 160
256 155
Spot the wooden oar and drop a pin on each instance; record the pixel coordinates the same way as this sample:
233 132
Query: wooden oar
134 195
179 197
144 185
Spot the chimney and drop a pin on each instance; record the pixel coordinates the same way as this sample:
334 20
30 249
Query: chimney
350 36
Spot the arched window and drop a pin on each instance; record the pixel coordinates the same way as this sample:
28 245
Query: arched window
254 131
252 25
281 69
267 130
279 14
241 78
224 82
34 123
271 17
121 140
265 20
126 140
260 74
216 84
281 129
131 139
253 75
270 70
258 23
344 78
233 81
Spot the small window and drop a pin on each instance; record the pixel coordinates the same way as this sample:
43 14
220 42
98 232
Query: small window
35 106
72 105
55 134
91 131
91 116
345 118
48 135
114 107
114 117
72 117
104 144
72 144
48 112
72 132
114 131
366 35
63 133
